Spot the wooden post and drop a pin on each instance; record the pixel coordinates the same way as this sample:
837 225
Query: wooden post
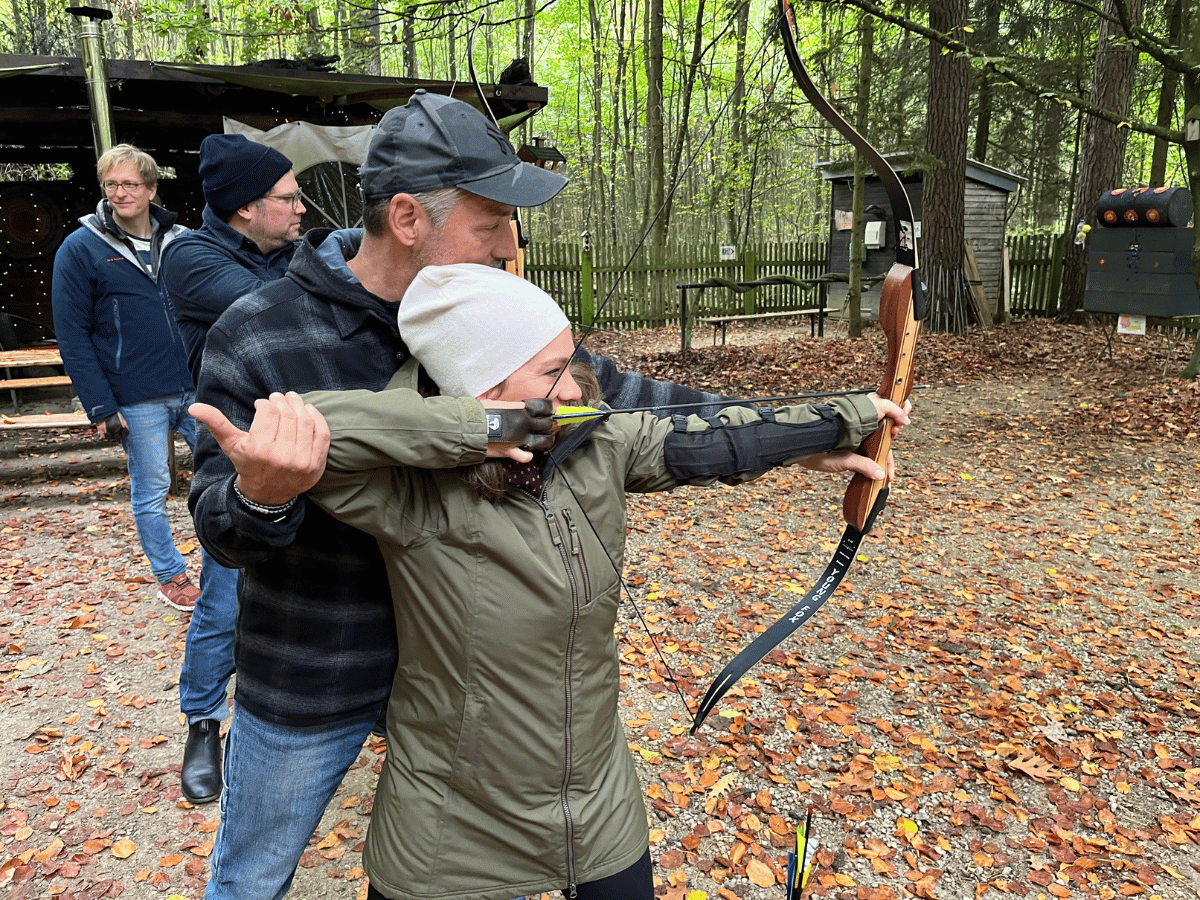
587 288
749 273
1058 250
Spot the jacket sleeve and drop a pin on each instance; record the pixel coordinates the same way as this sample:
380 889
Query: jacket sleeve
378 439
73 301
626 390
399 427
739 444
201 282
233 534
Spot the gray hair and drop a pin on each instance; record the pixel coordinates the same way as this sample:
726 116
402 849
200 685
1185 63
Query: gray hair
436 203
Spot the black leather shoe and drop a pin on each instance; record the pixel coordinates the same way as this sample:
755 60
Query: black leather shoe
201 774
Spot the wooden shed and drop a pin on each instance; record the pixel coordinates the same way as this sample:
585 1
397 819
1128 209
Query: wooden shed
988 193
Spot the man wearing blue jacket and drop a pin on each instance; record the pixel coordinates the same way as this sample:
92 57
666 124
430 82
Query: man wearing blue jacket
122 350
251 222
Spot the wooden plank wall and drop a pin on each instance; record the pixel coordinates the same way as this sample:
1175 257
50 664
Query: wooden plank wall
985 209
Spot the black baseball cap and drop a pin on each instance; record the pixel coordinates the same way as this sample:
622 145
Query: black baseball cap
437 142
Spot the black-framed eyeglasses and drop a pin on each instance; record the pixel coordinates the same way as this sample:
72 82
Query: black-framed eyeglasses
292 199
110 187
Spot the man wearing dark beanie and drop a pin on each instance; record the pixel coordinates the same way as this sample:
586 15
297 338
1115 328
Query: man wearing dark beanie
251 223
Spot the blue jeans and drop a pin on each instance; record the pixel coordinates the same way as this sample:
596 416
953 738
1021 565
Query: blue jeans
278 781
208 659
150 425
208 653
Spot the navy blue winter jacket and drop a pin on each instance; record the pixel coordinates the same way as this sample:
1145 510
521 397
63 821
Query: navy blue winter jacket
206 270
116 333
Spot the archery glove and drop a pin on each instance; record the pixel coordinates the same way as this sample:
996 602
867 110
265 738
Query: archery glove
531 427
114 428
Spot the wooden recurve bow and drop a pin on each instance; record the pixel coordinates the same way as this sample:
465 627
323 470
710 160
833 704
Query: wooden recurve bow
901 309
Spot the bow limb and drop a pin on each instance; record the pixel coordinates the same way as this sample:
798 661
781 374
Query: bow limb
901 307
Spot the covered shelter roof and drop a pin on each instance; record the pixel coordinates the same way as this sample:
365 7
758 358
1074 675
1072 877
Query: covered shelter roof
168 108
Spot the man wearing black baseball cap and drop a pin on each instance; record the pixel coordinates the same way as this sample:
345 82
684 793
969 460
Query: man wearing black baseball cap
316 644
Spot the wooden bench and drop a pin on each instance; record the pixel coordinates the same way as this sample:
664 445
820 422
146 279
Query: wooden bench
30 357
815 311
47 420
40 381
814 315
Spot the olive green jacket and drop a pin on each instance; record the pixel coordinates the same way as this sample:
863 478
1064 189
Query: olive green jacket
507 770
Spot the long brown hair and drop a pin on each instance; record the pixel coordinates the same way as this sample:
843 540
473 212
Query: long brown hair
487 481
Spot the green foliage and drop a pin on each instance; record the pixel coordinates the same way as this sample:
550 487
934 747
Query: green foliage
37 29
744 171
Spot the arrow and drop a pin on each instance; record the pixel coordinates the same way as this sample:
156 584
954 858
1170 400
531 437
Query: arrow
582 413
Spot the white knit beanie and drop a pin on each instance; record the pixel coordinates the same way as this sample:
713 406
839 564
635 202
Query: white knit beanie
472 326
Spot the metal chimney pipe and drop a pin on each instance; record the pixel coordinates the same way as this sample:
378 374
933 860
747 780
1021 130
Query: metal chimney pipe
91 49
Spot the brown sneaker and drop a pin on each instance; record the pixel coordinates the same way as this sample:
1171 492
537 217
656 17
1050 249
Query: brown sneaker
179 593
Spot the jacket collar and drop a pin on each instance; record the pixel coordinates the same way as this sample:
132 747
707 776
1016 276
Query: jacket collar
351 303
232 239
161 220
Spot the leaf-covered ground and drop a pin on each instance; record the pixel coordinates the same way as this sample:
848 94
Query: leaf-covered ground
1001 700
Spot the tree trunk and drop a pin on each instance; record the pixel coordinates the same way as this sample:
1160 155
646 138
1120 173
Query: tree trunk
989 40
862 119
1190 34
943 212
738 140
1166 101
655 144
409 41
1102 161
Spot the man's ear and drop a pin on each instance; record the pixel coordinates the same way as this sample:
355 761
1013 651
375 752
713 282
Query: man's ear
407 220
246 213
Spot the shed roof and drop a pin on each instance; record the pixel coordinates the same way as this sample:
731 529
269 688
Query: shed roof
901 163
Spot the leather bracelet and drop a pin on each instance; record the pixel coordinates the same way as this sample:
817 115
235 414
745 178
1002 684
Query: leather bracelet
260 508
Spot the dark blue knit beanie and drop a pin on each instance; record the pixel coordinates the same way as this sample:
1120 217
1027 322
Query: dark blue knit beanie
237 171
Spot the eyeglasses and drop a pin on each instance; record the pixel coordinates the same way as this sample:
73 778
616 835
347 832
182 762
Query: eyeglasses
110 187
292 199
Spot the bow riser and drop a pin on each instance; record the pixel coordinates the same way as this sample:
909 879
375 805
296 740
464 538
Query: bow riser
901 325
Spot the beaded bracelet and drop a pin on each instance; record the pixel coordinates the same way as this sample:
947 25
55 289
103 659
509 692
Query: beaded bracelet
261 509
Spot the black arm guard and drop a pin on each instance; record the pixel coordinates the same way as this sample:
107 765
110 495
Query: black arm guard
754 447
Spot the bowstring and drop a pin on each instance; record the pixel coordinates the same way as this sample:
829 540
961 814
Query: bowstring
591 328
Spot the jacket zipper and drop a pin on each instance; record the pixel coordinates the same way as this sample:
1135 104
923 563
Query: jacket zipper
120 336
577 552
557 538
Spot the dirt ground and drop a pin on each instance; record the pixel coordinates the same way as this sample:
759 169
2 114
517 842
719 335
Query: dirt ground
1001 700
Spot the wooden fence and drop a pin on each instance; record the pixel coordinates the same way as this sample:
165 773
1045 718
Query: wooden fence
627 296
1036 267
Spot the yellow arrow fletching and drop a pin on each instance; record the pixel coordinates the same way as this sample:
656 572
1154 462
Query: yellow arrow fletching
578 413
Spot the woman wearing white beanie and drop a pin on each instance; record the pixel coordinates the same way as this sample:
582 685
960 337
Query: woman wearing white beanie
507 770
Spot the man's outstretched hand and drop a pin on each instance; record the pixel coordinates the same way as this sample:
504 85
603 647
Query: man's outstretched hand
283 453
